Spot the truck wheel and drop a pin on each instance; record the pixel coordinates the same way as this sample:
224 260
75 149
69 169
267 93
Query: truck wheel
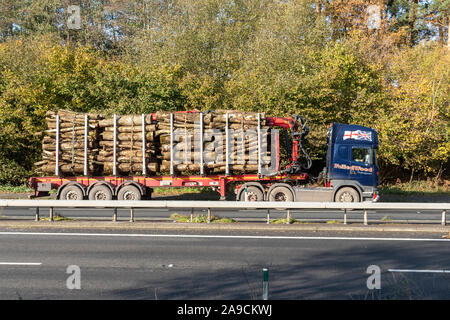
347 195
253 194
100 192
129 192
281 194
71 193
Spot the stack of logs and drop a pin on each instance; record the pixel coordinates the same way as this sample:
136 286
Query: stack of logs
242 149
71 143
129 145
130 153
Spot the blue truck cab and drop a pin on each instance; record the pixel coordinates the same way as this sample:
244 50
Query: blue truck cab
351 163
351 171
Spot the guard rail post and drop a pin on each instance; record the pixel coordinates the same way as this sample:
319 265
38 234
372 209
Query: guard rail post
36 216
288 216
50 216
114 215
345 216
365 217
209 215
444 220
131 214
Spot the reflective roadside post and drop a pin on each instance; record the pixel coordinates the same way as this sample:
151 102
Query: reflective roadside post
265 284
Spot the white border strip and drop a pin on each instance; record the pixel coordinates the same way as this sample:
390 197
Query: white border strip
20 263
198 236
419 271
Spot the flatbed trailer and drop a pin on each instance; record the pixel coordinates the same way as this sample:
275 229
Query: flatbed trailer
139 187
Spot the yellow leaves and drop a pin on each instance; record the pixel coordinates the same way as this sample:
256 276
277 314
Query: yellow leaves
415 129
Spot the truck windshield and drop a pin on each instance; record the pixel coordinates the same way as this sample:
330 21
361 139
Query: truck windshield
361 154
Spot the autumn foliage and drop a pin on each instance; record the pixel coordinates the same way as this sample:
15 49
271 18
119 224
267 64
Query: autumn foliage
318 59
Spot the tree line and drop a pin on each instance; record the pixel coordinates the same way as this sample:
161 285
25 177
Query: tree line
381 63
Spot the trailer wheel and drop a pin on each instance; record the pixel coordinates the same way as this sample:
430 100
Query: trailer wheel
100 192
129 192
71 193
346 195
281 194
253 194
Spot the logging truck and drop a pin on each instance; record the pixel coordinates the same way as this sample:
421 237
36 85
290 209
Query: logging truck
350 173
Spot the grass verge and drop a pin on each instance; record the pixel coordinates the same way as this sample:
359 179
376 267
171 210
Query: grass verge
202 218
416 188
282 221
180 191
334 222
56 217
15 189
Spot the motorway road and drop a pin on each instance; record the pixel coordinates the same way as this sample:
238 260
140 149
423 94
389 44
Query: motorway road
411 216
222 265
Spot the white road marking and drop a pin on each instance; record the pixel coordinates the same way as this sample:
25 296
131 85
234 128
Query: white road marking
20 263
419 271
141 235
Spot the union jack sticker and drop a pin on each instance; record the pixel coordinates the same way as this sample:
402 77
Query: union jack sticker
358 135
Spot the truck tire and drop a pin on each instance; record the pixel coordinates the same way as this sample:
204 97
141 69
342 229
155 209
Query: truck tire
281 194
71 192
100 192
129 192
253 194
346 194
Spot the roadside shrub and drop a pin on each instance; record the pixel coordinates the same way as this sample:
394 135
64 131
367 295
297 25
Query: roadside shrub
12 173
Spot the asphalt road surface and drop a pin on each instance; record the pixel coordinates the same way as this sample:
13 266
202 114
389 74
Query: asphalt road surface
221 265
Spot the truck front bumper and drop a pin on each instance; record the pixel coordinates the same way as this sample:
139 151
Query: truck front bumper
376 196
372 196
